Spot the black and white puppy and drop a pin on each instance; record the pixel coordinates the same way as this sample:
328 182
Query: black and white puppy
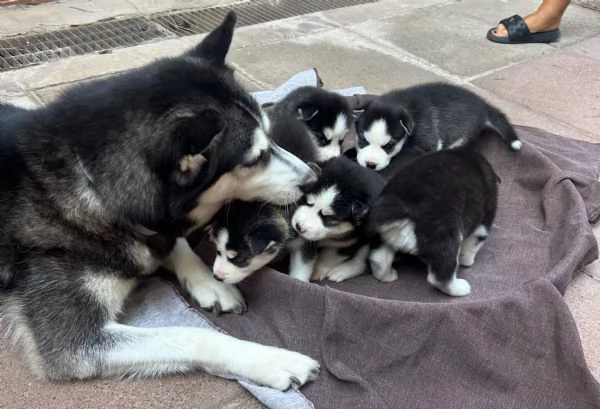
247 237
332 215
251 235
440 208
327 115
425 118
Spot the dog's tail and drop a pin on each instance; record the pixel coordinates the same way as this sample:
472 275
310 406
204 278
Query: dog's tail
499 124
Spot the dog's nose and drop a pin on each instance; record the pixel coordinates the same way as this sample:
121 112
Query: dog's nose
371 165
299 228
311 179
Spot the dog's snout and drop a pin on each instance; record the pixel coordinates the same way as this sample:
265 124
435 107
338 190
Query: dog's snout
371 165
311 179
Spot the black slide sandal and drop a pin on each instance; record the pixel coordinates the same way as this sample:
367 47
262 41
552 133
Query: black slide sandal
518 33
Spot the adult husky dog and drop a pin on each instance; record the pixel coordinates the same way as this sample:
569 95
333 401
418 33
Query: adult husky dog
98 189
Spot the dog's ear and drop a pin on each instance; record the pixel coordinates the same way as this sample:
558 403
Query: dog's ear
306 112
359 209
215 46
406 121
199 132
351 154
264 239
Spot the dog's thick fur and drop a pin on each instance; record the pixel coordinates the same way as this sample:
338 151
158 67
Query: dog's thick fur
440 207
247 237
98 188
326 115
425 118
250 235
332 216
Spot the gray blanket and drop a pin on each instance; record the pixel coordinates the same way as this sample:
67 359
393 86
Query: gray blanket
512 343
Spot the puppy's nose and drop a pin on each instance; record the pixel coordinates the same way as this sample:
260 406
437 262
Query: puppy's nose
371 165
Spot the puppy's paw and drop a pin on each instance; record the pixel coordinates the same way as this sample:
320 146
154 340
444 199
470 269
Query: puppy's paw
320 272
456 288
215 295
386 276
344 272
466 259
280 369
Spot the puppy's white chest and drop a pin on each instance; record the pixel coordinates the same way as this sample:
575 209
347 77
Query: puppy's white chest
400 235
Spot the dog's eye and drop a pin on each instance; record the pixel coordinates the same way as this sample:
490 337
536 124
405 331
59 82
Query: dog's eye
329 221
389 146
322 139
264 155
239 261
361 140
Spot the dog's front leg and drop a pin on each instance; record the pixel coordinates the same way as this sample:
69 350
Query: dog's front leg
152 351
302 261
354 267
327 259
197 278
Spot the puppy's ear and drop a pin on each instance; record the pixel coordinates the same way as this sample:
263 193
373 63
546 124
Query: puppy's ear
351 154
359 210
405 120
215 46
210 232
266 238
306 112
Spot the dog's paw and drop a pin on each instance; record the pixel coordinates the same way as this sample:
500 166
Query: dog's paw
215 295
458 288
320 272
466 259
281 369
344 272
386 276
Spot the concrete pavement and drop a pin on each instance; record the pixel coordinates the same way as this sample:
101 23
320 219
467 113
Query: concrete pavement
381 45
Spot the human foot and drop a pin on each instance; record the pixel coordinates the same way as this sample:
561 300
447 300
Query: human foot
516 31
537 22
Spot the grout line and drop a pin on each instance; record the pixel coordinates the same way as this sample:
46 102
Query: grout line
537 113
249 77
402 12
391 50
407 57
591 276
509 65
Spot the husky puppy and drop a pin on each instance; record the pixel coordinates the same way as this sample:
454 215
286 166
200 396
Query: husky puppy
99 188
250 235
247 237
332 215
425 118
326 114
440 208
